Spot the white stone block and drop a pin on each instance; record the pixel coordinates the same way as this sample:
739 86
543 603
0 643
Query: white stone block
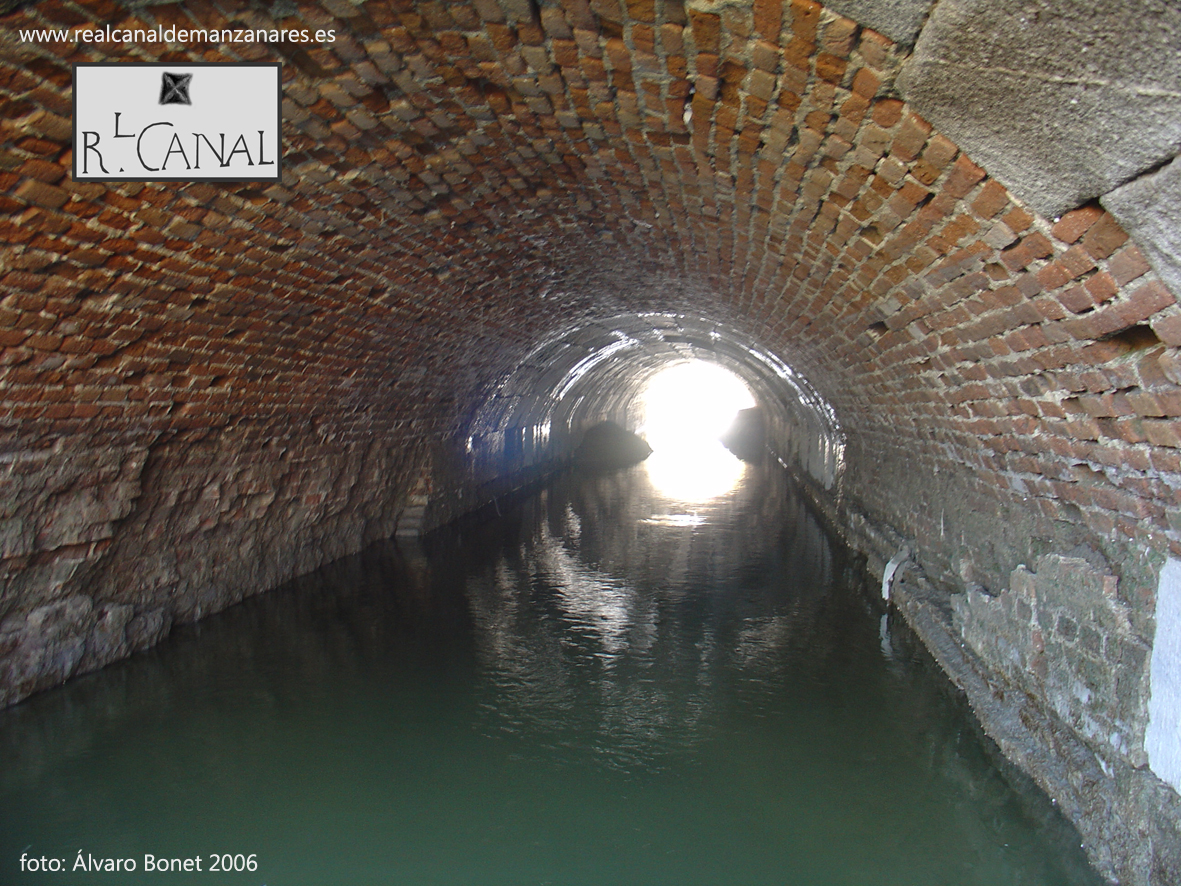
1162 741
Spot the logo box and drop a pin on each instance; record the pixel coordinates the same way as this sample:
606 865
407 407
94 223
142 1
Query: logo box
194 122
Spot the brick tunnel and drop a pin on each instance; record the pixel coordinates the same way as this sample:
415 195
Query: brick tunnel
938 241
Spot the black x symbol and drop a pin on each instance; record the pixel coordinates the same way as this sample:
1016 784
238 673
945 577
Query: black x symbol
174 89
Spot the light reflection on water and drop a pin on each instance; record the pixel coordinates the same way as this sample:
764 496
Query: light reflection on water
692 473
605 687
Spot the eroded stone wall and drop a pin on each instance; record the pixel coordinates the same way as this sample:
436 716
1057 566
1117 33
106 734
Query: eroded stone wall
202 520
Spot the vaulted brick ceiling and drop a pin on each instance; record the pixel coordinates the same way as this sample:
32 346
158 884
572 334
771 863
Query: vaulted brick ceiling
466 181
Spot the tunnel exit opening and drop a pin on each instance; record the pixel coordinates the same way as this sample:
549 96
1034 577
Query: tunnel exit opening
684 410
674 379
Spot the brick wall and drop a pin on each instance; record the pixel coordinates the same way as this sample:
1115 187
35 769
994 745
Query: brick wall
206 389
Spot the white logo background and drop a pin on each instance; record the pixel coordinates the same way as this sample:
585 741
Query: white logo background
231 131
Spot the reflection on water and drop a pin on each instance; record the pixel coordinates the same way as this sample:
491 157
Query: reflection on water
606 687
692 473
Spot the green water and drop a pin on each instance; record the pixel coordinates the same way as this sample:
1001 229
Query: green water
604 686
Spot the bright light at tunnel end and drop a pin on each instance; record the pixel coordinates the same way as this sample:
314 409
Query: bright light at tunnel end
685 409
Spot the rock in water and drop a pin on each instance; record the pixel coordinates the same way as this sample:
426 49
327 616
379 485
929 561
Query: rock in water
607 445
747 436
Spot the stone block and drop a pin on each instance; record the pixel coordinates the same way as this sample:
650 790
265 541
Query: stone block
148 628
1063 101
1063 635
1163 736
42 647
607 445
900 20
747 436
108 638
16 537
1149 209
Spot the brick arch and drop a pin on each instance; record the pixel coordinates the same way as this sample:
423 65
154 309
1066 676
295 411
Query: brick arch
207 389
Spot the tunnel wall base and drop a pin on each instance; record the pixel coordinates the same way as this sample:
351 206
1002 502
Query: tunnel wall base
1024 657
149 531
111 542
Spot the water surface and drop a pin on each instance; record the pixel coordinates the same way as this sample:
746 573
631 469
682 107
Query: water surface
605 686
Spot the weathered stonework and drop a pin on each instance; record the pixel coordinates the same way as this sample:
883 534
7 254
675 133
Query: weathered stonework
1043 704
1047 95
1064 635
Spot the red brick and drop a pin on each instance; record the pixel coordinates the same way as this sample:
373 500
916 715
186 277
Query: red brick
992 199
1127 265
805 15
911 137
706 30
866 83
1053 276
768 17
1018 220
830 67
964 176
1104 237
1102 287
1076 262
1168 329
42 194
1039 246
1163 433
42 170
1076 223
1146 301
887 112
1076 299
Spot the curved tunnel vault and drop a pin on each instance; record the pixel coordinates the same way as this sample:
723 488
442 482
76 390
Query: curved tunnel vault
597 371
937 240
